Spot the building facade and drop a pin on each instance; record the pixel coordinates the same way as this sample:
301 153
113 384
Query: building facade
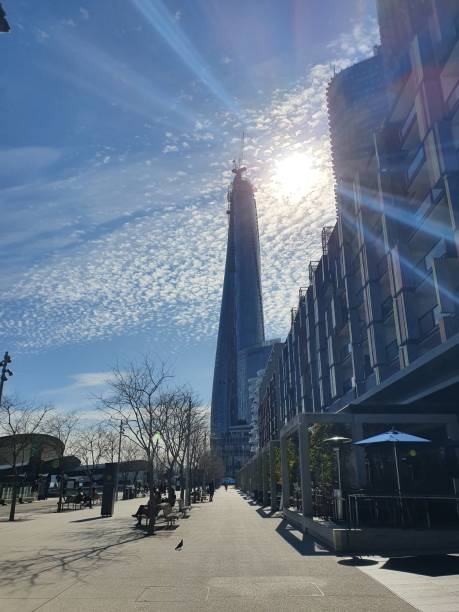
379 319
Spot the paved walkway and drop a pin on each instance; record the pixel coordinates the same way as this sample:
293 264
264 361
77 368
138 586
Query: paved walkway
430 584
233 559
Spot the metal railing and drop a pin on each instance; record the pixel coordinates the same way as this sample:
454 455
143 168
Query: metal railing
408 512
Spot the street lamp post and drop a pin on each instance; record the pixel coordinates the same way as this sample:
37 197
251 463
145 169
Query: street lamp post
6 372
119 460
4 25
337 442
188 465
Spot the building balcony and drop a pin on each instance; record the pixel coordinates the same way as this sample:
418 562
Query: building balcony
407 125
416 164
453 100
391 351
387 308
428 322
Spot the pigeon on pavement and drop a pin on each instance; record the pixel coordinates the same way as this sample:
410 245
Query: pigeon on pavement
179 545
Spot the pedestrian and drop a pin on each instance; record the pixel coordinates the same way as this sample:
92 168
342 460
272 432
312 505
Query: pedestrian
226 486
211 490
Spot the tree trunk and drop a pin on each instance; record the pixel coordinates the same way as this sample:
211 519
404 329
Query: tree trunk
14 496
152 501
182 487
61 483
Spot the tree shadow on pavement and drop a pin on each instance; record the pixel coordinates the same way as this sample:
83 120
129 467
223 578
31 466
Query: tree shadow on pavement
301 542
71 562
428 565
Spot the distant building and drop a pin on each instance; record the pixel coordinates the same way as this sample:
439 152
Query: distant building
35 456
241 349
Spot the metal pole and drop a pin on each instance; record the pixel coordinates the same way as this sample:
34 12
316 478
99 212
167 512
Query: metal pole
119 460
340 495
205 455
188 466
396 470
5 362
339 468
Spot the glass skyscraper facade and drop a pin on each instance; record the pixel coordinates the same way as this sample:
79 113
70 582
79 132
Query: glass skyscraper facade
241 348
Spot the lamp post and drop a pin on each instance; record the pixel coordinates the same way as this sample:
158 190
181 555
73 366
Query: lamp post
119 459
188 464
337 442
6 372
4 25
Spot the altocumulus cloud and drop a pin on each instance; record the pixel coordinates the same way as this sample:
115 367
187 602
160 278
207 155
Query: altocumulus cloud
148 248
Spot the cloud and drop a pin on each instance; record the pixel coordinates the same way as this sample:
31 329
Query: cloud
139 243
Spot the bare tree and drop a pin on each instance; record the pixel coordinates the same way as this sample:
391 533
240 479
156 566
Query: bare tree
63 427
194 423
211 466
20 421
174 436
198 440
136 401
91 448
112 444
132 459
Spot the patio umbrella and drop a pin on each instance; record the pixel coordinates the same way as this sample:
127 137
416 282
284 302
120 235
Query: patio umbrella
393 437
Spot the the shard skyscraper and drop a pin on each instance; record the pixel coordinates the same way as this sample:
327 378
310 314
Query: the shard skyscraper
241 349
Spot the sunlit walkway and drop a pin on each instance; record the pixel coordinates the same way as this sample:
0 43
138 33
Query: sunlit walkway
232 559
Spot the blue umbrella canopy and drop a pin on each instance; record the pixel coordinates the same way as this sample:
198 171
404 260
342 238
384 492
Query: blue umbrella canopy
393 436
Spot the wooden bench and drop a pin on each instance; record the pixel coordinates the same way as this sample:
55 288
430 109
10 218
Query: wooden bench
169 515
182 508
26 499
71 501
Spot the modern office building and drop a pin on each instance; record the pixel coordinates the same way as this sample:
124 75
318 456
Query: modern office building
241 348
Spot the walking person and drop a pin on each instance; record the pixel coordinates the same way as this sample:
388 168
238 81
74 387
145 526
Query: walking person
211 489
226 486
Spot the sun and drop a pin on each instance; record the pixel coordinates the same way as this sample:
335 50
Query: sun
295 176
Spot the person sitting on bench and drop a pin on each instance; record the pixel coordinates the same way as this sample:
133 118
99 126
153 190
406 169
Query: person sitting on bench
144 510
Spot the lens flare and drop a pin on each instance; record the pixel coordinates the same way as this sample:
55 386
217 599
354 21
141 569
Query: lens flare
295 176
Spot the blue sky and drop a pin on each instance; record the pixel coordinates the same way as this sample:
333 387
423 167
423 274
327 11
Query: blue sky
119 121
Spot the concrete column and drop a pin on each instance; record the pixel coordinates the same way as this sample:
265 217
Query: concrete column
305 472
284 472
260 485
272 476
358 476
264 472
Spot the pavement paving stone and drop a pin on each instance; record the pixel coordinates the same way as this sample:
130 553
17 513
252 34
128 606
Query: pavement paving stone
232 559
417 581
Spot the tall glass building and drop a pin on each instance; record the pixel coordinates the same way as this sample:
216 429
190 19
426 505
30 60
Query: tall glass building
241 348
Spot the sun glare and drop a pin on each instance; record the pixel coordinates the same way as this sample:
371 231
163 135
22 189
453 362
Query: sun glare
295 176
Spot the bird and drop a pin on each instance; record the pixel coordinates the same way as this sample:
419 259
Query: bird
179 545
